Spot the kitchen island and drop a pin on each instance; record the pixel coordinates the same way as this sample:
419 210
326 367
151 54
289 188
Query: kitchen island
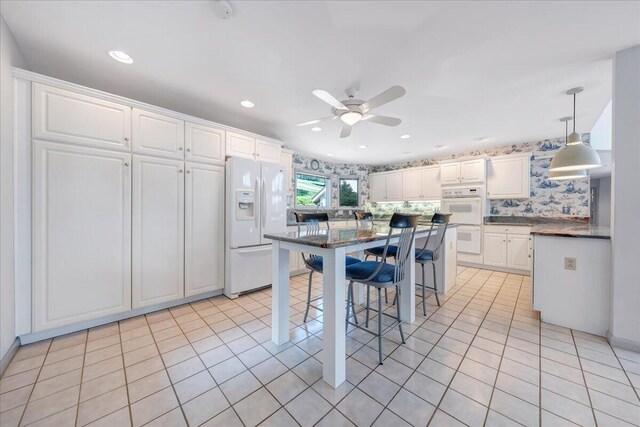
572 275
333 245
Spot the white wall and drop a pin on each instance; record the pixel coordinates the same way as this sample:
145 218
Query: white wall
603 216
600 135
625 295
10 56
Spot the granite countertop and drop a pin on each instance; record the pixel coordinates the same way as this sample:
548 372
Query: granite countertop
534 220
340 237
565 230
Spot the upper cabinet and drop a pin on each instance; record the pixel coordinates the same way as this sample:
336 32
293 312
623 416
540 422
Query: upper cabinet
421 184
286 160
157 135
61 115
464 172
508 177
242 145
386 186
203 143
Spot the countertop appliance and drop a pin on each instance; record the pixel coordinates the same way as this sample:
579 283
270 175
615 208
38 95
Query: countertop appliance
466 204
256 195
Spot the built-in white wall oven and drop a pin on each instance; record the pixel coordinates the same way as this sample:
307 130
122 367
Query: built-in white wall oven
466 206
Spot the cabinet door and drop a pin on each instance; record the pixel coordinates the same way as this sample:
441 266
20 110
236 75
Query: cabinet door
158 230
286 160
508 178
518 252
204 228
267 151
412 184
495 249
81 234
450 173
431 188
61 115
394 186
472 171
157 135
203 143
240 145
378 183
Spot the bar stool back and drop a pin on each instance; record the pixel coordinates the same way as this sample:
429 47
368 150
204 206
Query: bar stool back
424 256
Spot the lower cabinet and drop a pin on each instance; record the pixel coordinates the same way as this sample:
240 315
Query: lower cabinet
158 230
204 228
81 234
508 247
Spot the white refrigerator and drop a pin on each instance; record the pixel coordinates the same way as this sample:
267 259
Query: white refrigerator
256 194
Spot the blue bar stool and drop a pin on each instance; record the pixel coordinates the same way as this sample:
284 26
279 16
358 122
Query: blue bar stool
362 218
314 263
425 256
381 275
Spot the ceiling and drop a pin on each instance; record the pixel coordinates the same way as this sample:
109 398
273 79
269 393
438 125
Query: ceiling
471 69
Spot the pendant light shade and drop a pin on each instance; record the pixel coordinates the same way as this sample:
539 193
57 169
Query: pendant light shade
576 155
565 175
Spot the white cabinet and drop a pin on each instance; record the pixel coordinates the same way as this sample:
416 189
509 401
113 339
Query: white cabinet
158 230
463 172
518 252
157 135
507 246
203 228
65 116
508 177
495 249
204 143
81 234
386 186
286 160
421 183
240 145
450 173
267 151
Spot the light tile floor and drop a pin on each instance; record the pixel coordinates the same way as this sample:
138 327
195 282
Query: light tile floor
483 358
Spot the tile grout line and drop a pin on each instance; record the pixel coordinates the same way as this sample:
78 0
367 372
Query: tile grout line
593 413
124 371
24 411
84 359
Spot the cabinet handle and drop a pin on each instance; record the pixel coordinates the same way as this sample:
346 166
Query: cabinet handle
126 163
188 171
126 139
180 171
188 150
180 148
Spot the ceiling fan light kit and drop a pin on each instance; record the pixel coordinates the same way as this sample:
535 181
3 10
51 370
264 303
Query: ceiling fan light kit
352 110
576 155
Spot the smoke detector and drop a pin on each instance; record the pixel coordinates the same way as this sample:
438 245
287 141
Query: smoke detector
222 9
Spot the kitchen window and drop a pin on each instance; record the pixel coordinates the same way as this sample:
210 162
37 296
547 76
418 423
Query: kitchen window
312 190
348 192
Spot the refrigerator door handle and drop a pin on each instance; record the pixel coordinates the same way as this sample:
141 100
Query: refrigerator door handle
257 192
264 202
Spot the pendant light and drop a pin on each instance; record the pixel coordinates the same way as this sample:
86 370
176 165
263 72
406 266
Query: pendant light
576 155
565 175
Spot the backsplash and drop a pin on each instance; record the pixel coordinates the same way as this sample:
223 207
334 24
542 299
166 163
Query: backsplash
548 198
334 170
386 209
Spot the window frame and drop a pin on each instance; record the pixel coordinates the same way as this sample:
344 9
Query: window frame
313 173
358 199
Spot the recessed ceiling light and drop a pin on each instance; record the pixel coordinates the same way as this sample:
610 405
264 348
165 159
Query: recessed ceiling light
316 129
406 153
482 139
439 147
330 154
405 136
363 146
246 103
120 56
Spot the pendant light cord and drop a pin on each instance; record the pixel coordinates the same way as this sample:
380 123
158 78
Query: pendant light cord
574 113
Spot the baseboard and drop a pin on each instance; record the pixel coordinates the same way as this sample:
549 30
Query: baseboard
623 343
6 359
494 268
63 330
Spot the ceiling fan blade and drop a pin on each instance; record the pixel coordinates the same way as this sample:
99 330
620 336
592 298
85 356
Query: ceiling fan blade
346 131
313 122
329 99
388 95
383 120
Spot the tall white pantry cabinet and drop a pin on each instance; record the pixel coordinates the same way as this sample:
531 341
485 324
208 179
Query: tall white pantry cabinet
126 206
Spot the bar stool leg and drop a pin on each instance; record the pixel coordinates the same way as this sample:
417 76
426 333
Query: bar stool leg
380 324
435 286
424 304
353 304
306 312
366 322
346 323
399 315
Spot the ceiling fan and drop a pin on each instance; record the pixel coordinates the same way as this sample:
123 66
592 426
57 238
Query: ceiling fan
352 110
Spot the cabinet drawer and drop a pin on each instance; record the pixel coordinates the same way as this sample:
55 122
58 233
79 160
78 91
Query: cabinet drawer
508 229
